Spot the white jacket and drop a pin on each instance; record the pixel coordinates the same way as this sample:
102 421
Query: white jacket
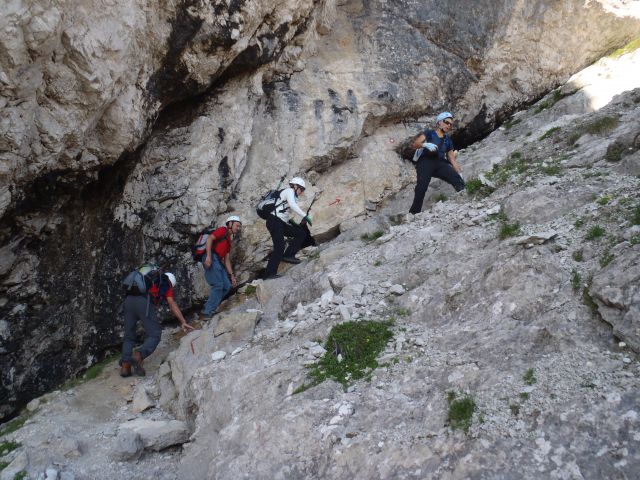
288 201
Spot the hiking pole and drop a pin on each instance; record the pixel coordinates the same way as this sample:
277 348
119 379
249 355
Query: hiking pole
313 200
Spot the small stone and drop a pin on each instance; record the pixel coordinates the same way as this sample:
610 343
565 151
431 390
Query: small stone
622 344
626 360
141 400
33 405
397 289
51 474
335 420
219 355
317 351
346 410
128 445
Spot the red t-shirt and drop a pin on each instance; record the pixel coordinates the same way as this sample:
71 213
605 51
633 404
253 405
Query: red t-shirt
154 290
223 246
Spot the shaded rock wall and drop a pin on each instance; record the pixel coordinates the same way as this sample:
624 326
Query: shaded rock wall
128 127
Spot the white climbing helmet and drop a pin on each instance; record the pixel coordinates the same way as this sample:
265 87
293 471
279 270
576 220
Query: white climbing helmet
233 218
297 181
172 278
443 116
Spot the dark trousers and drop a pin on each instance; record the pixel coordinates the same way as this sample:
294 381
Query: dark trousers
278 229
428 168
137 309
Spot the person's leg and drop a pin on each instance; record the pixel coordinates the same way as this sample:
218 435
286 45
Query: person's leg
424 170
152 331
130 321
276 229
297 237
447 173
218 281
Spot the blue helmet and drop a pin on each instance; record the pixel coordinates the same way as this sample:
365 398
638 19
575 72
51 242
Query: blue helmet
443 116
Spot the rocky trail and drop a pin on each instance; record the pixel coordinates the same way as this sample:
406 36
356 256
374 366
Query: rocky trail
521 294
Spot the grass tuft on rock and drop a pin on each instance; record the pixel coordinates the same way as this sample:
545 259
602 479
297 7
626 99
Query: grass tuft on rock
595 232
509 230
352 351
632 46
475 186
554 98
370 237
90 373
549 133
576 280
602 125
15 424
460 411
529 377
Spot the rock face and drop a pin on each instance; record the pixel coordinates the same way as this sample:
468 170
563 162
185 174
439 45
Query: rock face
127 127
518 308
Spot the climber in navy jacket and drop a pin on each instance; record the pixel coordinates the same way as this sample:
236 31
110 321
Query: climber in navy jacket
435 157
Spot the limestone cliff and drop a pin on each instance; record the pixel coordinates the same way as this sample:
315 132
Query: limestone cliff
128 125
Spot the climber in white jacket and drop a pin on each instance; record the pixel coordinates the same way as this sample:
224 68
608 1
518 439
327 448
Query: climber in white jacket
279 226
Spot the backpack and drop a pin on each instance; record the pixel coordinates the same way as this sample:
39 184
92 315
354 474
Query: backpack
199 247
268 203
139 282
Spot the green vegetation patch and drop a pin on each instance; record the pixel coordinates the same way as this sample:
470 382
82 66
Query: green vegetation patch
512 123
8 447
21 475
516 163
370 237
576 280
475 186
603 200
578 255
441 197
602 125
635 215
352 349
509 230
15 424
460 411
554 98
594 233
632 46
607 258
549 133
615 151
250 290
529 377
90 373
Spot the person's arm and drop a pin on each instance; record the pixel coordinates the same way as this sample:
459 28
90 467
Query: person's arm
173 306
419 140
209 259
227 266
293 205
453 159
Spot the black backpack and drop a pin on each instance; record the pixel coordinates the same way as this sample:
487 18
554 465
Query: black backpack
268 203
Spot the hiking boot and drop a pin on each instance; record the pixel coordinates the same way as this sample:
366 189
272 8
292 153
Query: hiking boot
137 364
125 369
291 260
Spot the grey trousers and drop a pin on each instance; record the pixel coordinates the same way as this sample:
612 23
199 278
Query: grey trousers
135 309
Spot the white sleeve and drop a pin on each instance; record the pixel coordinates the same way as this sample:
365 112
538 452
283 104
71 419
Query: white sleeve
291 200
